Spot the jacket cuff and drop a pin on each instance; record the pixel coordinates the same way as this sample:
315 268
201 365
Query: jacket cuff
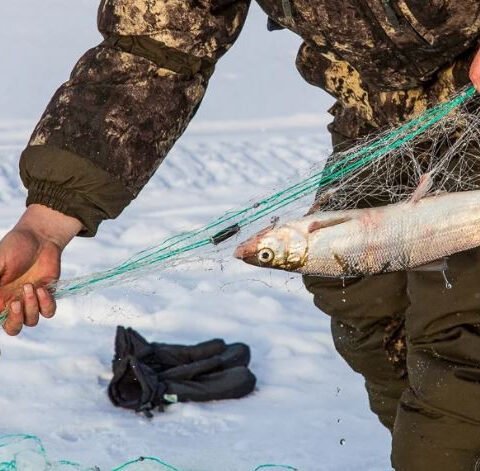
72 185
69 203
48 194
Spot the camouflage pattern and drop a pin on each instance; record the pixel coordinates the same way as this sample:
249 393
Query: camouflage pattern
204 28
387 61
361 108
129 99
122 111
392 44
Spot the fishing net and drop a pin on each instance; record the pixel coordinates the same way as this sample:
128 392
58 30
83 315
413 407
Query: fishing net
27 453
444 142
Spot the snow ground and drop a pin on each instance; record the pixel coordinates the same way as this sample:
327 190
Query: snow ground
310 410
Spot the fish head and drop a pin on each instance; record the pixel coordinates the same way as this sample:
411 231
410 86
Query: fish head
283 248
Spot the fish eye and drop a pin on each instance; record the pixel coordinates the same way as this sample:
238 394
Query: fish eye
265 255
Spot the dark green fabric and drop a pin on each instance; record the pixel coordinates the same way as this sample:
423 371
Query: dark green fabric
72 185
438 420
433 410
361 312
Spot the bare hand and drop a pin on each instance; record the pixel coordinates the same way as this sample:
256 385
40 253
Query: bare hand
475 71
29 261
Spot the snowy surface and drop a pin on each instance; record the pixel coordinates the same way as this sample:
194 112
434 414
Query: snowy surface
309 410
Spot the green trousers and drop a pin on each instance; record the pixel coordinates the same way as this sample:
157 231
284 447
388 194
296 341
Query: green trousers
417 343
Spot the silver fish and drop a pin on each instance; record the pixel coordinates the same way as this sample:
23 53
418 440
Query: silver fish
359 242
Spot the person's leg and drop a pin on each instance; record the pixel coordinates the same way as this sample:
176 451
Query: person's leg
367 326
438 421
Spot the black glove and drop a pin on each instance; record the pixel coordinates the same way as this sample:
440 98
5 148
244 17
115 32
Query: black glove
149 375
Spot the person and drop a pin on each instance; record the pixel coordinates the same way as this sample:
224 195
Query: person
129 99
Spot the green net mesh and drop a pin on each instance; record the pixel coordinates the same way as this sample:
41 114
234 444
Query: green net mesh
394 158
27 453
444 141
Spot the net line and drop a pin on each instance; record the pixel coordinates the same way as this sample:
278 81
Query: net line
23 451
385 155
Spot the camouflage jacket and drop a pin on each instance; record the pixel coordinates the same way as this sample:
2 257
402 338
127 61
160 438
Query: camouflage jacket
129 99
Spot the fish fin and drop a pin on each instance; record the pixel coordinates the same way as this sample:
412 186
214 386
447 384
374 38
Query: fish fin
317 225
438 265
424 186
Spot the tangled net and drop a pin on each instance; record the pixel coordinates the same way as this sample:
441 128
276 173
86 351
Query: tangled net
384 169
27 453
444 142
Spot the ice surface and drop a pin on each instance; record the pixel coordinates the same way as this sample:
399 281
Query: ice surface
310 410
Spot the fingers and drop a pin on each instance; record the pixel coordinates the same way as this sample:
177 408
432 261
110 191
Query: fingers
46 302
475 71
35 302
14 323
30 306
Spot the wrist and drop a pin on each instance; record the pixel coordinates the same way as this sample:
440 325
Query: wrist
46 223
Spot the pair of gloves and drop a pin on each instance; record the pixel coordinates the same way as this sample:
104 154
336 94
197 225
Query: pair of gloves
148 376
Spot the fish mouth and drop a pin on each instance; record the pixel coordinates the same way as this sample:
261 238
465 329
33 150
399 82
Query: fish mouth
247 251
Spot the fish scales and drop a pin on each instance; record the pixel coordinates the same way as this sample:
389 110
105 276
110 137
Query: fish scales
357 242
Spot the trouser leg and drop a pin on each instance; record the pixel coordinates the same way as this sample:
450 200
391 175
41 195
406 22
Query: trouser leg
367 317
438 421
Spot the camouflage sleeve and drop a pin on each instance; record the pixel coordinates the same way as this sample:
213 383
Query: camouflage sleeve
108 128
